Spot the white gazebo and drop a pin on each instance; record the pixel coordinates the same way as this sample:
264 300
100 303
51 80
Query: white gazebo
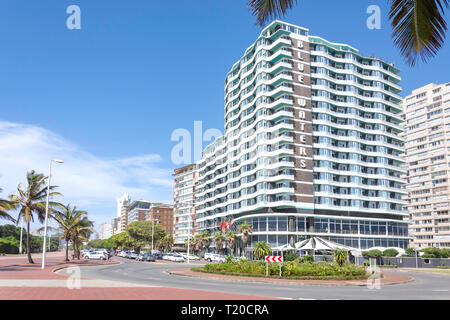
317 243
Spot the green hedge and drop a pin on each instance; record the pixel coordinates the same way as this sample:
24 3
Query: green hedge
290 269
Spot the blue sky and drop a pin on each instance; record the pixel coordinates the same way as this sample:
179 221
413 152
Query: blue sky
108 97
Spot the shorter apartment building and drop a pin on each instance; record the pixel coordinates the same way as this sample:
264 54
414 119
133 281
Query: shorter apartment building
137 210
184 208
162 214
427 142
115 223
105 230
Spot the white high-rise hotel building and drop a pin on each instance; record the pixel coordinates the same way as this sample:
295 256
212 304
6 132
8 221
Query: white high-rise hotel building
311 145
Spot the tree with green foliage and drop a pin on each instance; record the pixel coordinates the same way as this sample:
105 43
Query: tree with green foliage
206 240
68 218
390 253
140 233
231 240
262 249
291 256
81 233
6 206
410 252
167 242
32 200
340 255
435 253
374 253
219 239
245 229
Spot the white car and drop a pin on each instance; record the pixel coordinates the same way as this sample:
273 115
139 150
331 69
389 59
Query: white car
96 255
176 258
167 256
192 257
215 258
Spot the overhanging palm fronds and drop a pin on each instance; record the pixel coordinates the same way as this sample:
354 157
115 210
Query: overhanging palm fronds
6 206
266 10
418 27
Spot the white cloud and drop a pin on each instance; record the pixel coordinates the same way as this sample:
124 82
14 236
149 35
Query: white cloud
86 180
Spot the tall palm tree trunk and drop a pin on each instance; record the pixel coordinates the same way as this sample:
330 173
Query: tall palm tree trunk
67 250
30 260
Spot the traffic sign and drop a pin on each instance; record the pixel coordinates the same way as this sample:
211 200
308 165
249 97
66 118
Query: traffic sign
274 259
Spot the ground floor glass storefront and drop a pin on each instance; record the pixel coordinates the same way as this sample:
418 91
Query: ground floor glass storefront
357 233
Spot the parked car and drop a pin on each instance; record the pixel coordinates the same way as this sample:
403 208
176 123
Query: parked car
142 256
97 255
159 256
208 256
176 258
215 258
167 256
133 255
150 258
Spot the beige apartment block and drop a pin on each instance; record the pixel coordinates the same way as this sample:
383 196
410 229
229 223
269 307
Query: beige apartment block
184 209
427 144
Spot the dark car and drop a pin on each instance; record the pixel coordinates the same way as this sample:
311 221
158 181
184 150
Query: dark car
150 258
159 256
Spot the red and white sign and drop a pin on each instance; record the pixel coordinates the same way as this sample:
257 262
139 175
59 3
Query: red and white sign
274 259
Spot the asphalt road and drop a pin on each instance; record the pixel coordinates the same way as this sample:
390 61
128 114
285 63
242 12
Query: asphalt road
425 286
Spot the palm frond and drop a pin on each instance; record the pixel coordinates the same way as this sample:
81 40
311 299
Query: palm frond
419 28
266 10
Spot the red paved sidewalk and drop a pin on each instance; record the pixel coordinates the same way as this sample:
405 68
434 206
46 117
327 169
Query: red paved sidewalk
151 293
387 279
19 268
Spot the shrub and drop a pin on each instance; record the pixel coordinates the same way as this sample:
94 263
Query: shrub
290 256
390 253
375 253
339 256
410 252
366 263
292 269
262 249
435 253
307 258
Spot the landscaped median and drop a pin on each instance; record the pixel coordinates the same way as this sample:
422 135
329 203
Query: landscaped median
289 270
293 272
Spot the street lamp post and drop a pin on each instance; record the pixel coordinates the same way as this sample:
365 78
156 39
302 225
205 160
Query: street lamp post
153 231
417 262
189 237
46 209
21 231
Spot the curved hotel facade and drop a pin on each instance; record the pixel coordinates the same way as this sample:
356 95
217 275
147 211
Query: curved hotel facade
311 145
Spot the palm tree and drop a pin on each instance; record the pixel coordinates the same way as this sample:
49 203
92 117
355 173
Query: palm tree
81 232
231 240
339 256
68 218
167 242
262 249
419 27
32 200
245 229
219 239
5 206
205 239
196 242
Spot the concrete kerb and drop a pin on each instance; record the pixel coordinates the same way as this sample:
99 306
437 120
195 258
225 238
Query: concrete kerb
60 268
279 281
